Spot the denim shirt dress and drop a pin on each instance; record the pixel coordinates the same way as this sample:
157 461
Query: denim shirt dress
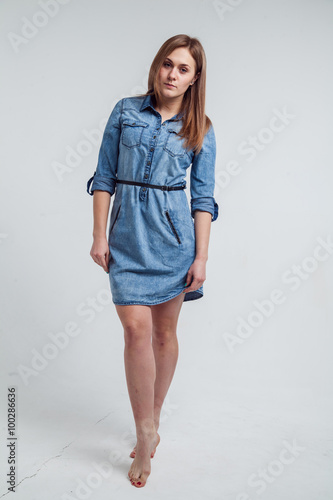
151 232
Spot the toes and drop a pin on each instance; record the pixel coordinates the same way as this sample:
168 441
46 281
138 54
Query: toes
133 474
139 482
136 480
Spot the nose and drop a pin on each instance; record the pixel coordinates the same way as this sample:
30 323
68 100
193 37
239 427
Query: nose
172 73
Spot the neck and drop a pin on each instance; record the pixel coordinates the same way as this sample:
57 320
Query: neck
168 106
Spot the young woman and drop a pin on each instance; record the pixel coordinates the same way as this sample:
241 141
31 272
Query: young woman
157 246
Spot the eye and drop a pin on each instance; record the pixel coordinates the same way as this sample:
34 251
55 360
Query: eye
166 64
185 70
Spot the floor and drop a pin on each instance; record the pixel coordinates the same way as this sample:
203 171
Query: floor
217 441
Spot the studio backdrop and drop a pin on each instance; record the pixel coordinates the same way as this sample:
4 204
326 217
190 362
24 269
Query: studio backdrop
252 388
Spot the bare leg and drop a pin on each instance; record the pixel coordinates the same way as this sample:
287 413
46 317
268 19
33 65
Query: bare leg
140 375
165 347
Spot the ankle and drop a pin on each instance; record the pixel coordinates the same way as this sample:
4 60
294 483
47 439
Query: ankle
145 426
157 413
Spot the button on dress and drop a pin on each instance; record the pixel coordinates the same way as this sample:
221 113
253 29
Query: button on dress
151 232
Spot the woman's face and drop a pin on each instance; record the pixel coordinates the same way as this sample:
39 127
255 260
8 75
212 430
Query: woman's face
178 69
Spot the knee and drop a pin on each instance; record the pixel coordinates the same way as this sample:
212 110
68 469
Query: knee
164 334
136 333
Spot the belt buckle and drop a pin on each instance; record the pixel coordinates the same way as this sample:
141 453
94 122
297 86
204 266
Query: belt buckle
164 188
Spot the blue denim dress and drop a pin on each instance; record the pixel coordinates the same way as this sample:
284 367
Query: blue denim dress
151 231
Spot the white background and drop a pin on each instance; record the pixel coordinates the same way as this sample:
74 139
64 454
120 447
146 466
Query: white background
230 412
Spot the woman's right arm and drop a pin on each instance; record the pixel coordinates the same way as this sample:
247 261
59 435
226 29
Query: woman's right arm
100 248
102 185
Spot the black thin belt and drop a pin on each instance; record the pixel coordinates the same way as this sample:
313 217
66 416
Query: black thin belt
164 188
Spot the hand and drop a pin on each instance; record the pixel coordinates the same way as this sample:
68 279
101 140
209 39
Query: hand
100 252
196 275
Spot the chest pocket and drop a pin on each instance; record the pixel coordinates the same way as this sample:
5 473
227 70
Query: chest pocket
173 143
131 135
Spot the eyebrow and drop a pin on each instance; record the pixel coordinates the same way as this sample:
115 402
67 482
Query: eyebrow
181 64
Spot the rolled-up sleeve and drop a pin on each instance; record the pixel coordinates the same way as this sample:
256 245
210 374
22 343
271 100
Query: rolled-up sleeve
202 177
104 178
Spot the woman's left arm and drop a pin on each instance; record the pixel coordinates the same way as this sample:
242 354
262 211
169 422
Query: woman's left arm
204 208
196 274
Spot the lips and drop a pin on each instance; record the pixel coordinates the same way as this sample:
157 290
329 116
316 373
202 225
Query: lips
170 85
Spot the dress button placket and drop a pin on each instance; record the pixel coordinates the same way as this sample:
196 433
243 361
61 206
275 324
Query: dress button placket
143 190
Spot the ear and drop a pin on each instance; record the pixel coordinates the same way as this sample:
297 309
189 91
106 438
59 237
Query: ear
196 77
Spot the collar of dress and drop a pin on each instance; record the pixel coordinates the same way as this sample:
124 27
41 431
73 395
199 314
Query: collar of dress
147 102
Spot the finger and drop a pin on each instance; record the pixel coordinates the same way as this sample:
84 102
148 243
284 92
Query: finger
107 259
104 263
194 286
187 285
100 260
95 259
188 278
189 288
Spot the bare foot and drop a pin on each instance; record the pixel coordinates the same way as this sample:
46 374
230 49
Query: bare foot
140 468
132 454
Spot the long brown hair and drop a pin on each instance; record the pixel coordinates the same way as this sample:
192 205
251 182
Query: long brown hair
195 122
